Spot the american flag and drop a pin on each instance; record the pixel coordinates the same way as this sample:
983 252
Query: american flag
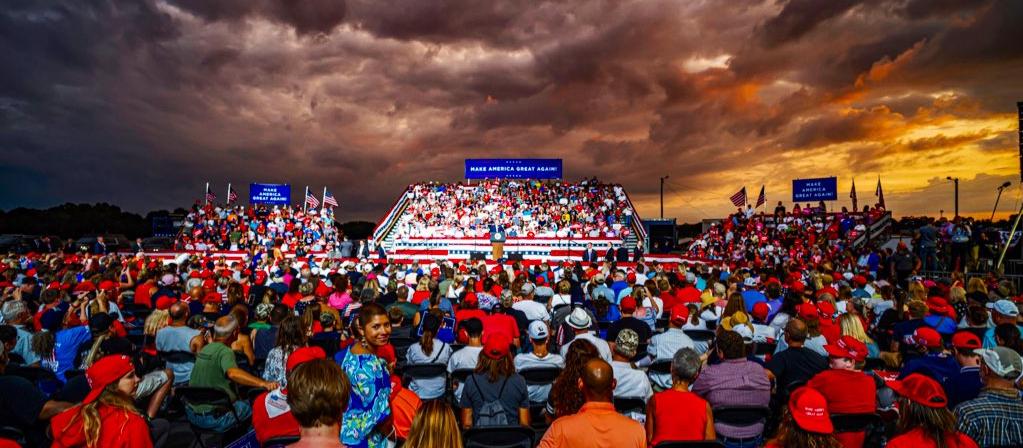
328 199
210 196
739 199
311 200
231 195
852 195
762 198
879 193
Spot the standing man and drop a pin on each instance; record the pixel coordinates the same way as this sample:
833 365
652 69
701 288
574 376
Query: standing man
590 254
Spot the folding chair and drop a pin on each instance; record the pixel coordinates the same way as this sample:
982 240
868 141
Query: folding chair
209 396
499 437
741 415
699 335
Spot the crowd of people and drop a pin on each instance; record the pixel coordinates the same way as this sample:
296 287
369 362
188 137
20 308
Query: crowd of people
821 347
519 208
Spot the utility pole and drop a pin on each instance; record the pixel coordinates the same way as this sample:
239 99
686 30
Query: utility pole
662 195
955 180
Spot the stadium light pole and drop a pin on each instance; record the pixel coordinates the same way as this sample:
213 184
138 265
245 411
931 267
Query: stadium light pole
956 181
997 198
662 195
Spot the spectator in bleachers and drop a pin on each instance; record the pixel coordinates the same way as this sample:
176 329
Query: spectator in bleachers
365 422
533 310
736 381
932 359
995 417
630 381
23 406
271 413
107 416
178 337
16 314
806 422
852 326
291 336
434 426
1002 312
844 385
596 424
664 346
318 398
924 419
265 340
494 395
676 414
467 357
215 367
628 321
538 358
966 384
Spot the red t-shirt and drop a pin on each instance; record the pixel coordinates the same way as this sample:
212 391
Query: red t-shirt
679 416
916 439
143 296
847 392
290 299
419 296
831 331
500 323
461 315
118 429
689 294
268 428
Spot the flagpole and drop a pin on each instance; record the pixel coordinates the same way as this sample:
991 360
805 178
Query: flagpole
305 200
206 197
324 196
228 193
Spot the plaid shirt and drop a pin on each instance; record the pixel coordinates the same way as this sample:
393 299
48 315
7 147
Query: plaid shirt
994 418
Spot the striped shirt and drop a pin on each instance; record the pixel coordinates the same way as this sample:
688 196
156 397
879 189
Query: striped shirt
732 383
994 418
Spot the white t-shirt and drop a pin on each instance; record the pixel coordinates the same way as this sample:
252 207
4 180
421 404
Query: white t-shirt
538 394
631 383
533 310
465 358
602 346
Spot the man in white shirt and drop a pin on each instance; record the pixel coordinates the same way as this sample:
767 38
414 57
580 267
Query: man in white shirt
580 323
539 357
467 357
762 332
630 381
534 311
663 346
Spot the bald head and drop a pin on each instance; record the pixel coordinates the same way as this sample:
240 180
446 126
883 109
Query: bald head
179 312
795 331
598 380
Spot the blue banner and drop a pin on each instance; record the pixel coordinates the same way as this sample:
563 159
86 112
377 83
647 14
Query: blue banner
513 168
813 190
270 194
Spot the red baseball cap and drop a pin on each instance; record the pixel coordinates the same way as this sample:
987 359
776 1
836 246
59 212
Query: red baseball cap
679 314
797 287
628 304
165 302
938 305
920 389
85 286
260 277
761 310
304 354
212 297
322 290
807 311
631 277
106 371
927 337
827 309
848 347
470 299
497 346
859 280
966 340
810 411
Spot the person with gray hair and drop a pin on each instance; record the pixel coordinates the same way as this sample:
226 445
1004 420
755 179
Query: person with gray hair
215 367
995 417
16 314
677 414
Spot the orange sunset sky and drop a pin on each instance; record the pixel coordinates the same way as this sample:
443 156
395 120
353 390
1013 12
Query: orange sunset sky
139 103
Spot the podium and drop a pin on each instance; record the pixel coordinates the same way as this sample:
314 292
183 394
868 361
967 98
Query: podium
497 239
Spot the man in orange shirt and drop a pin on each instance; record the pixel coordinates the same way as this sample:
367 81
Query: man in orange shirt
847 389
597 424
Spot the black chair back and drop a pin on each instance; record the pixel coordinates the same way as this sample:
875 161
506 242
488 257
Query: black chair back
691 444
499 437
211 396
741 415
43 379
329 346
660 366
461 375
276 442
699 335
626 405
539 376
13 434
641 352
854 422
765 348
177 357
426 371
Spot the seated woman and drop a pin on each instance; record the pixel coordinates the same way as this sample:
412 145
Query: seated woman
494 395
429 350
677 414
290 337
107 416
806 422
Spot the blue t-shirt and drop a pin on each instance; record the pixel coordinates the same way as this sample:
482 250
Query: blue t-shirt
989 337
752 297
66 345
939 366
941 324
963 386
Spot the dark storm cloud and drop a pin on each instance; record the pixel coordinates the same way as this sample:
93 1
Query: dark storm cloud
141 102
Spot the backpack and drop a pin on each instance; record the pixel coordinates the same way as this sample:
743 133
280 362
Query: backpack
491 413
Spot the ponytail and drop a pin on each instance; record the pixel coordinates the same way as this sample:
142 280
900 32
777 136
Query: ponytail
426 342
